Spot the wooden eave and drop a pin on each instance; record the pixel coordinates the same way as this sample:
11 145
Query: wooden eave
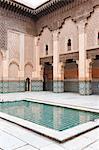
40 11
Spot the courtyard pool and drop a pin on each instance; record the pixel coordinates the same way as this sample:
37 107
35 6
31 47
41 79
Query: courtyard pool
53 117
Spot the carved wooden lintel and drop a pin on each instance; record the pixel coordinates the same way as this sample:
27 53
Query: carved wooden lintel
74 56
92 53
46 60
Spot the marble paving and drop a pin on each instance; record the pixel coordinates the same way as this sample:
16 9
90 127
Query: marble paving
14 137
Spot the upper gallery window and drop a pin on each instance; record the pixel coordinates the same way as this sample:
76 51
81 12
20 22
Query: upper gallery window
46 49
69 45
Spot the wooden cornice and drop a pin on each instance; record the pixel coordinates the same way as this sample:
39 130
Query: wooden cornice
42 10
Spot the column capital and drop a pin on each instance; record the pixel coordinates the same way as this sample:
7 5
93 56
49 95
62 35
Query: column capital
77 62
36 40
81 25
56 35
4 55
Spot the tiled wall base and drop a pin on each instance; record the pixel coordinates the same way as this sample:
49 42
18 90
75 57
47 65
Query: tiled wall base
37 85
71 86
13 86
48 86
85 87
1 87
95 86
58 86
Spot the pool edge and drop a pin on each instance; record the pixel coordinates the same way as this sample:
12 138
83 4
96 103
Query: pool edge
59 136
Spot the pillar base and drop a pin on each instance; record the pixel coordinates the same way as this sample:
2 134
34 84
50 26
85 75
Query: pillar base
37 85
1 86
13 86
85 88
22 86
5 86
95 86
58 86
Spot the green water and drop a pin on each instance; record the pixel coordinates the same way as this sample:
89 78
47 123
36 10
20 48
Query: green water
58 118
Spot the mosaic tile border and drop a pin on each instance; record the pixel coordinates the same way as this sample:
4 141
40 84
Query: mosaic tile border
71 86
58 86
1 86
12 86
37 85
95 86
85 88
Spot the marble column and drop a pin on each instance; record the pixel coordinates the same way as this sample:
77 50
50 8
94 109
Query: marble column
21 72
58 84
37 82
84 80
5 73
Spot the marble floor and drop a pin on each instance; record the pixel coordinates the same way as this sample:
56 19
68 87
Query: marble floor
14 137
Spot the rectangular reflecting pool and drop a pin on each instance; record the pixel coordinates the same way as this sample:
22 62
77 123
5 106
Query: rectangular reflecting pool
54 117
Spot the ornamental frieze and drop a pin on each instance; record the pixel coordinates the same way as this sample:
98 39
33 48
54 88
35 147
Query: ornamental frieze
77 10
64 57
92 53
46 60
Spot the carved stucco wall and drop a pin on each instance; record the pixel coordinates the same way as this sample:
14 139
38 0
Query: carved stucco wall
12 21
13 71
28 71
68 31
46 38
29 59
14 45
92 29
76 10
29 54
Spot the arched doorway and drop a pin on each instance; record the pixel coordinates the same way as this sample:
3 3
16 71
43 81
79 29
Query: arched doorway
95 75
27 84
14 82
71 83
48 77
28 76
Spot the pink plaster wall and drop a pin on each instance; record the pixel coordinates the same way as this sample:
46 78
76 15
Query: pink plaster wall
46 39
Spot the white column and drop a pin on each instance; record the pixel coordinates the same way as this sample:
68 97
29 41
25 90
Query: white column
82 51
37 73
5 66
84 83
57 70
21 73
37 83
5 72
55 55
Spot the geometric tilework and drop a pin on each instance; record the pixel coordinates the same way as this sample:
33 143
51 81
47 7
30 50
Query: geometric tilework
5 87
22 86
85 87
1 86
71 86
37 85
13 86
48 86
58 86
95 86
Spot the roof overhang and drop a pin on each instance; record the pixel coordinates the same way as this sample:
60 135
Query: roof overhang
42 10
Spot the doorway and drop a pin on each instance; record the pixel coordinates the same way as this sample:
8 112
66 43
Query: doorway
71 83
95 75
48 77
27 84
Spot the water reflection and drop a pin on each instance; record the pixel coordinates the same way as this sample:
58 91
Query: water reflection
57 118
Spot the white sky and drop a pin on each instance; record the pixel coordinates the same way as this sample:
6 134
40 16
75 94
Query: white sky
32 3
